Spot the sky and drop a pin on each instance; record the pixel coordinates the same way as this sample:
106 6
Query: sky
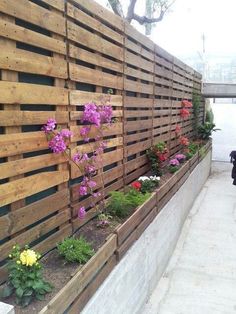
181 30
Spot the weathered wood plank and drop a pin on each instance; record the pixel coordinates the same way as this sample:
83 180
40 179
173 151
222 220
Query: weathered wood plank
12 117
93 41
21 188
28 62
32 94
18 33
31 12
93 23
83 74
15 221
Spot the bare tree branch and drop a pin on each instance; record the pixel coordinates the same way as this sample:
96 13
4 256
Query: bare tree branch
116 7
130 12
144 19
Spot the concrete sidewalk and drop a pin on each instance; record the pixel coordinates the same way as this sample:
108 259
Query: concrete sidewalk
201 275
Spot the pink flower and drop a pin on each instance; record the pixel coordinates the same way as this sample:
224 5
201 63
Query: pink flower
180 157
57 144
184 113
66 133
177 129
83 190
50 126
81 213
84 130
91 184
90 169
186 104
184 141
96 194
174 162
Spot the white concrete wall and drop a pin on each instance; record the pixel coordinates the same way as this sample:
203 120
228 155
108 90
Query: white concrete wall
6 308
128 287
224 141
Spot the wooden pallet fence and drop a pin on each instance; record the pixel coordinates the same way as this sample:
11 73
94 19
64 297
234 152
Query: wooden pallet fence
53 61
75 294
34 197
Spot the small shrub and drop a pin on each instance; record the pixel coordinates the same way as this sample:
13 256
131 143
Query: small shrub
103 220
191 150
205 130
25 279
148 184
173 169
121 204
75 250
209 116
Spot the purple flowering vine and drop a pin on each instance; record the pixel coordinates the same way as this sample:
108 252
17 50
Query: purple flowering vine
93 116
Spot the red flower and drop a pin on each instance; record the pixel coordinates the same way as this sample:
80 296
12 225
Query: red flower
184 113
186 104
177 129
136 185
162 157
184 141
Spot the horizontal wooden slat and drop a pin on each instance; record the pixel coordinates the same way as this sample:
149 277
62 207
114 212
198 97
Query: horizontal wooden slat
12 117
19 219
93 41
93 23
13 168
80 98
18 143
33 94
101 12
21 188
34 14
80 73
99 60
35 232
18 33
28 62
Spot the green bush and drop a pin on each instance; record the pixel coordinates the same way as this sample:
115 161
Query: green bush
205 130
210 116
148 186
121 204
75 250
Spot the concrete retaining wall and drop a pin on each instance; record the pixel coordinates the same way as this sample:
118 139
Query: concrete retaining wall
128 287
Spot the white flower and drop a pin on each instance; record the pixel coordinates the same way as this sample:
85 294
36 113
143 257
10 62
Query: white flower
143 178
155 178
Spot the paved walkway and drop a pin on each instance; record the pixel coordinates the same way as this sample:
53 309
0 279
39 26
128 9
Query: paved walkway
201 275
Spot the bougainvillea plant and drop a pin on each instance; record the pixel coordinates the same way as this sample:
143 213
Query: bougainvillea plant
95 119
25 279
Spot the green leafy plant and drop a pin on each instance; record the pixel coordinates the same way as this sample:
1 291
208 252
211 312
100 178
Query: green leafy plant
155 166
121 204
75 250
25 279
173 169
205 130
196 110
191 150
103 220
148 184
209 116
